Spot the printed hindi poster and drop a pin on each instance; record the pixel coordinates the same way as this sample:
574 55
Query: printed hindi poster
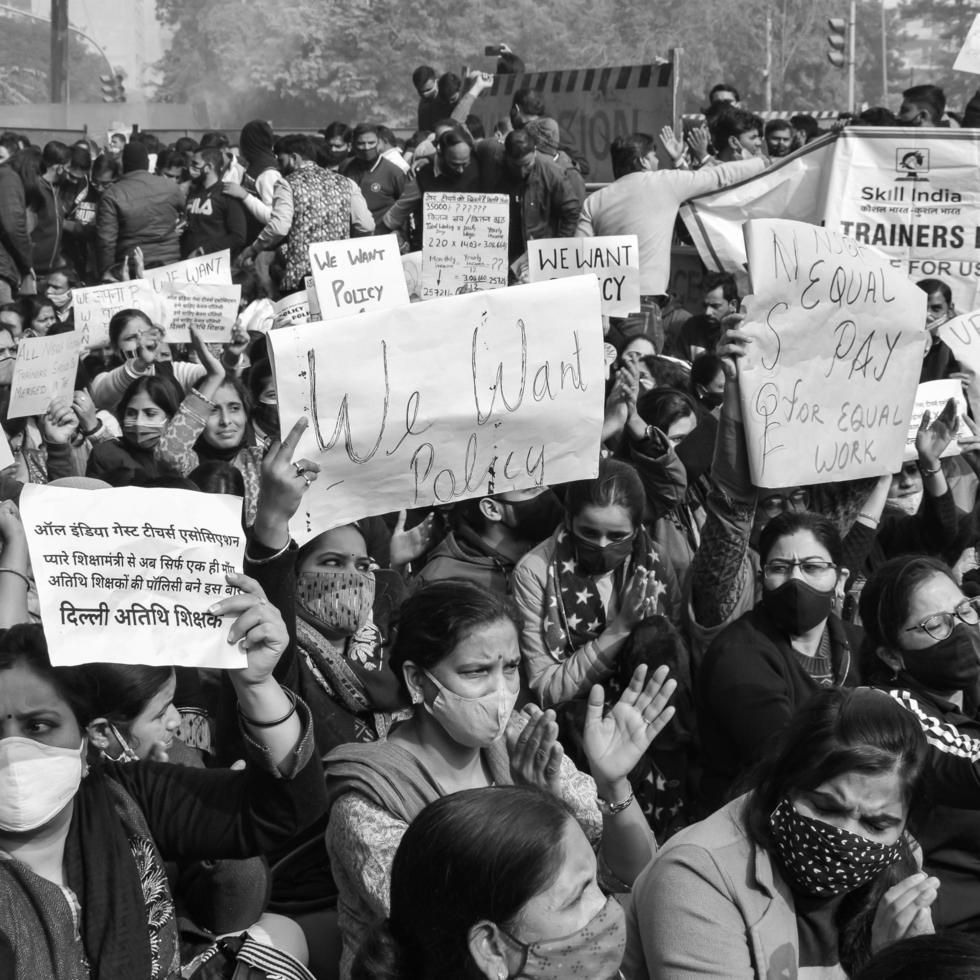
962 335
828 383
45 368
613 259
405 413
358 275
913 194
213 268
119 580
210 308
932 396
95 306
464 243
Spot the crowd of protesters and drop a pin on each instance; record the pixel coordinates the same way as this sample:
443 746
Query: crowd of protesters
657 724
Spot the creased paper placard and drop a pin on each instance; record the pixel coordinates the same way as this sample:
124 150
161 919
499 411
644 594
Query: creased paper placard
128 575
45 368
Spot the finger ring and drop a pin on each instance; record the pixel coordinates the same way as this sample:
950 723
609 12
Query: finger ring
299 469
307 479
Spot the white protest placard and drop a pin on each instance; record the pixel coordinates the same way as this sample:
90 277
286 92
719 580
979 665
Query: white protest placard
464 245
968 59
613 259
405 413
914 194
358 275
932 396
828 384
214 268
94 306
962 335
120 581
210 308
294 308
45 368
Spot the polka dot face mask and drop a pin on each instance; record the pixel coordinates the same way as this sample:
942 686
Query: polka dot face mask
823 860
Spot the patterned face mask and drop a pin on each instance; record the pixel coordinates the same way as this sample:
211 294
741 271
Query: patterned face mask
595 951
823 860
337 600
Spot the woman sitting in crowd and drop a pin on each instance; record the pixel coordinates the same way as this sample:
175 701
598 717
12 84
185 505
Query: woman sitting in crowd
922 646
457 657
495 882
810 872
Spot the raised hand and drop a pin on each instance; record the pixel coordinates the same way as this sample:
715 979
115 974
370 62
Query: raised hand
535 752
672 143
406 546
281 487
59 423
905 910
935 434
614 744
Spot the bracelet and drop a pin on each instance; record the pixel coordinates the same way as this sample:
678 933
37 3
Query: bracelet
926 472
868 517
270 558
13 571
611 809
91 432
268 724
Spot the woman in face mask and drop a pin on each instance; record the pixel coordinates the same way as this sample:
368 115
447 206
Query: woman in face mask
147 406
809 873
83 888
458 659
497 882
759 670
922 646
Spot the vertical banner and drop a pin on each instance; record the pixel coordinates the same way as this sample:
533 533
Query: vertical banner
464 248
407 413
913 194
358 275
829 382
613 259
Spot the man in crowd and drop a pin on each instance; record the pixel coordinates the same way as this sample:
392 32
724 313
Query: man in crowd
724 94
431 108
922 105
16 268
215 220
779 138
643 201
338 139
390 150
140 210
544 132
736 135
380 181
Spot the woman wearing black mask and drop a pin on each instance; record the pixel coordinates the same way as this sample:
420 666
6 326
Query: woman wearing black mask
922 646
759 670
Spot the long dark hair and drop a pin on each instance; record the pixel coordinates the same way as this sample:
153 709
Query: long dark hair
162 390
481 854
839 731
437 616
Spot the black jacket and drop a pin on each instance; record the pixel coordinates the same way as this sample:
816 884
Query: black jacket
15 242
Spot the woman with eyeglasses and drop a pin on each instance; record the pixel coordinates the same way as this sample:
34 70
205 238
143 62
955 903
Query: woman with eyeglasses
922 647
762 667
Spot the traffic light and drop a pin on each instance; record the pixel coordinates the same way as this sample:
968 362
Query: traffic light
113 89
836 39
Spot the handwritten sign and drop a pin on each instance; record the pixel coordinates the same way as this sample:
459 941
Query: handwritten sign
210 308
406 413
95 306
931 396
45 368
962 335
294 308
968 59
614 259
214 268
464 248
358 276
120 581
828 384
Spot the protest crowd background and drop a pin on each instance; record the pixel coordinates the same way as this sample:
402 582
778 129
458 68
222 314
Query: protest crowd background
401 579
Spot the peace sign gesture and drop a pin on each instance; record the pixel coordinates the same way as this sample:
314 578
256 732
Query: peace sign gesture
614 744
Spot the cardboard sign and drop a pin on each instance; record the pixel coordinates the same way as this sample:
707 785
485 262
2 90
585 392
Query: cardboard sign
94 306
962 335
45 368
613 259
214 268
931 397
968 59
211 309
120 582
464 248
828 384
358 275
914 194
407 413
